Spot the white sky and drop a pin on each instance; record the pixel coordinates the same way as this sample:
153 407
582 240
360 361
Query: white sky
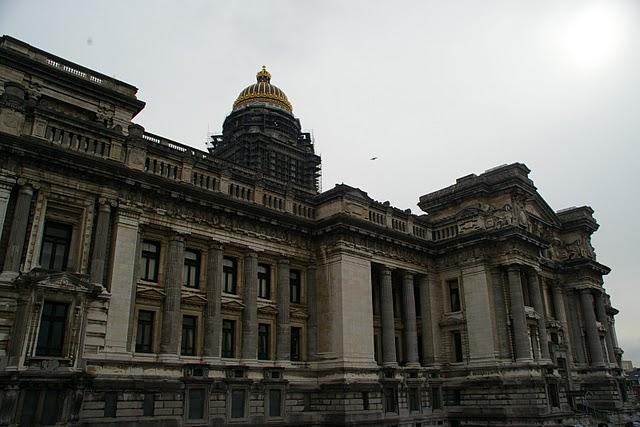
436 90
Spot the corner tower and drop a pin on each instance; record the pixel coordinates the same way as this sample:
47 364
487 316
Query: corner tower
262 134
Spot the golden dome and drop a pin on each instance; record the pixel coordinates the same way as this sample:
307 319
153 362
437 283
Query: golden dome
263 91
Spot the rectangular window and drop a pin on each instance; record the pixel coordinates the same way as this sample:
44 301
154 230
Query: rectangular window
230 274
150 260
237 403
275 403
144 334
196 404
264 281
52 327
263 341
149 404
436 398
51 406
56 241
188 346
294 286
29 403
295 343
456 339
454 295
191 270
416 299
414 399
110 404
554 398
228 338
390 399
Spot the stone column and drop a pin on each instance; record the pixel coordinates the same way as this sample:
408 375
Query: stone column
6 185
538 306
213 314
17 234
283 347
518 317
604 320
312 308
425 316
171 314
558 302
15 350
250 313
410 329
591 328
100 242
573 305
122 284
388 322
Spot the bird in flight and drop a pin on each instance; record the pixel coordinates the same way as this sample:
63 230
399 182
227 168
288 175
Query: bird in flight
374 158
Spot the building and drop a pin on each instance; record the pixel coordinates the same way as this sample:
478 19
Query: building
149 283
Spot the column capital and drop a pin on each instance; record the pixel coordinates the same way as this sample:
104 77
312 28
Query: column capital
283 261
25 188
215 245
385 271
407 275
251 254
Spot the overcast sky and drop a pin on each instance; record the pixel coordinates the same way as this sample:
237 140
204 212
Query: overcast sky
436 90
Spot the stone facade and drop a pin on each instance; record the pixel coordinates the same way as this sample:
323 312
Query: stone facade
146 282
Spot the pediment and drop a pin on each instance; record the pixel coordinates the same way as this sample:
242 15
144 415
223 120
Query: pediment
298 313
60 281
149 292
192 298
232 305
539 209
267 309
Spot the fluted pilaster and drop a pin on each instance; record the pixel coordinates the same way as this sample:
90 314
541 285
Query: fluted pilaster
171 315
410 328
250 313
284 327
100 242
388 322
518 317
213 315
17 233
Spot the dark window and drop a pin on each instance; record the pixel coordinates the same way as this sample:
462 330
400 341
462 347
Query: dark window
456 397
416 299
188 347
149 404
264 281
275 403
295 343
456 338
294 286
196 404
110 404
454 295
53 401
52 327
55 246
554 398
144 335
237 403
150 260
191 270
414 399
365 400
230 274
228 338
436 400
29 404
390 399
376 352
263 341
420 354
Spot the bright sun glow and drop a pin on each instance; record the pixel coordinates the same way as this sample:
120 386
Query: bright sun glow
594 36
